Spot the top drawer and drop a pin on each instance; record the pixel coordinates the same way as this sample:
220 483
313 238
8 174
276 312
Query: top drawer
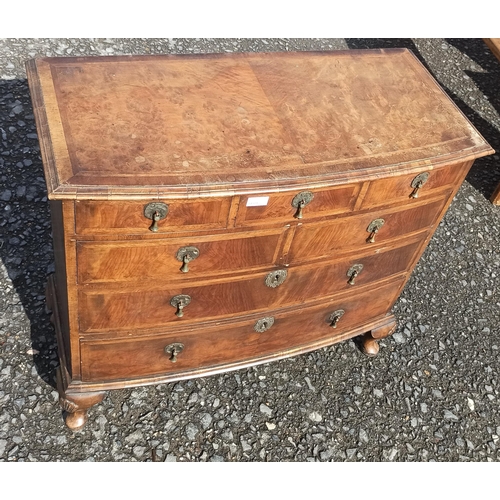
133 217
296 205
413 186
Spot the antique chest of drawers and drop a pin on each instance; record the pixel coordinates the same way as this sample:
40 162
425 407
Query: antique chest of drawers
211 212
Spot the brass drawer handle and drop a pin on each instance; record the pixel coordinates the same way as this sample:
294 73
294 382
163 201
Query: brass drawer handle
417 183
353 272
155 211
300 201
180 302
373 229
334 317
276 278
186 255
174 350
262 325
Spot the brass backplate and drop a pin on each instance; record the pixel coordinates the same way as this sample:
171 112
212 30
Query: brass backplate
276 278
356 268
182 300
174 350
334 317
156 207
175 347
264 324
420 180
375 225
304 196
191 252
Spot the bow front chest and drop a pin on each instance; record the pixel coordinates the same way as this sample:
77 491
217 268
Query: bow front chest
211 212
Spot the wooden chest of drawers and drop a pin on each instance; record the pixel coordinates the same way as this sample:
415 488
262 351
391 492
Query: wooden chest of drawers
211 212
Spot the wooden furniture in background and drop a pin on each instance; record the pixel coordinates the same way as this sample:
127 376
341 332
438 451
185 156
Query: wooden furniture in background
494 46
211 212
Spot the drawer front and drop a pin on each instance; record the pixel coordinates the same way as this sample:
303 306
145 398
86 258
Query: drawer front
326 239
133 357
104 310
128 217
400 189
163 259
279 208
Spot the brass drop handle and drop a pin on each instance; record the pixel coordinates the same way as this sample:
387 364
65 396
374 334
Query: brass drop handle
417 183
185 261
300 201
352 278
298 213
155 211
353 273
334 318
174 350
186 255
156 218
180 302
373 229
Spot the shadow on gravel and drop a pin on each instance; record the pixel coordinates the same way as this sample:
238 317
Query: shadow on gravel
25 227
485 173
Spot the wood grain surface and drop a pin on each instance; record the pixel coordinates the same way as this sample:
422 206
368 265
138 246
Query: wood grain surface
115 126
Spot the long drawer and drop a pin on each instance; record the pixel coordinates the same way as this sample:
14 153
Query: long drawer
276 332
119 308
163 259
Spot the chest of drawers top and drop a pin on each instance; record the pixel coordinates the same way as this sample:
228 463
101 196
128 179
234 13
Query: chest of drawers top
165 127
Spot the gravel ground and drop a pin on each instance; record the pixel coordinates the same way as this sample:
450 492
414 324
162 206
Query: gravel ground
432 394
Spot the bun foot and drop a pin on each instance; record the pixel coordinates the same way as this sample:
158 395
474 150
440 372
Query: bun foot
368 344
75 421
75 404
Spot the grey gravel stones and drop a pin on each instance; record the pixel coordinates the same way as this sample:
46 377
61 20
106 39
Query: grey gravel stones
265 409
430 395
191 431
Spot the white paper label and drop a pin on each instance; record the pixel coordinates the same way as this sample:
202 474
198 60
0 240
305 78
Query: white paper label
257 201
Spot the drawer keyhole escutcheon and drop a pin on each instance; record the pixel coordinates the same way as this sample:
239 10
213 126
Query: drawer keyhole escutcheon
155 211
186 255
334 318
180 302
300 201
262 325
353 272
276 278
174 350
373 229
417 183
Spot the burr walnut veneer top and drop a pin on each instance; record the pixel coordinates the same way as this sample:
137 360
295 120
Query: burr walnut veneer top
200 125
